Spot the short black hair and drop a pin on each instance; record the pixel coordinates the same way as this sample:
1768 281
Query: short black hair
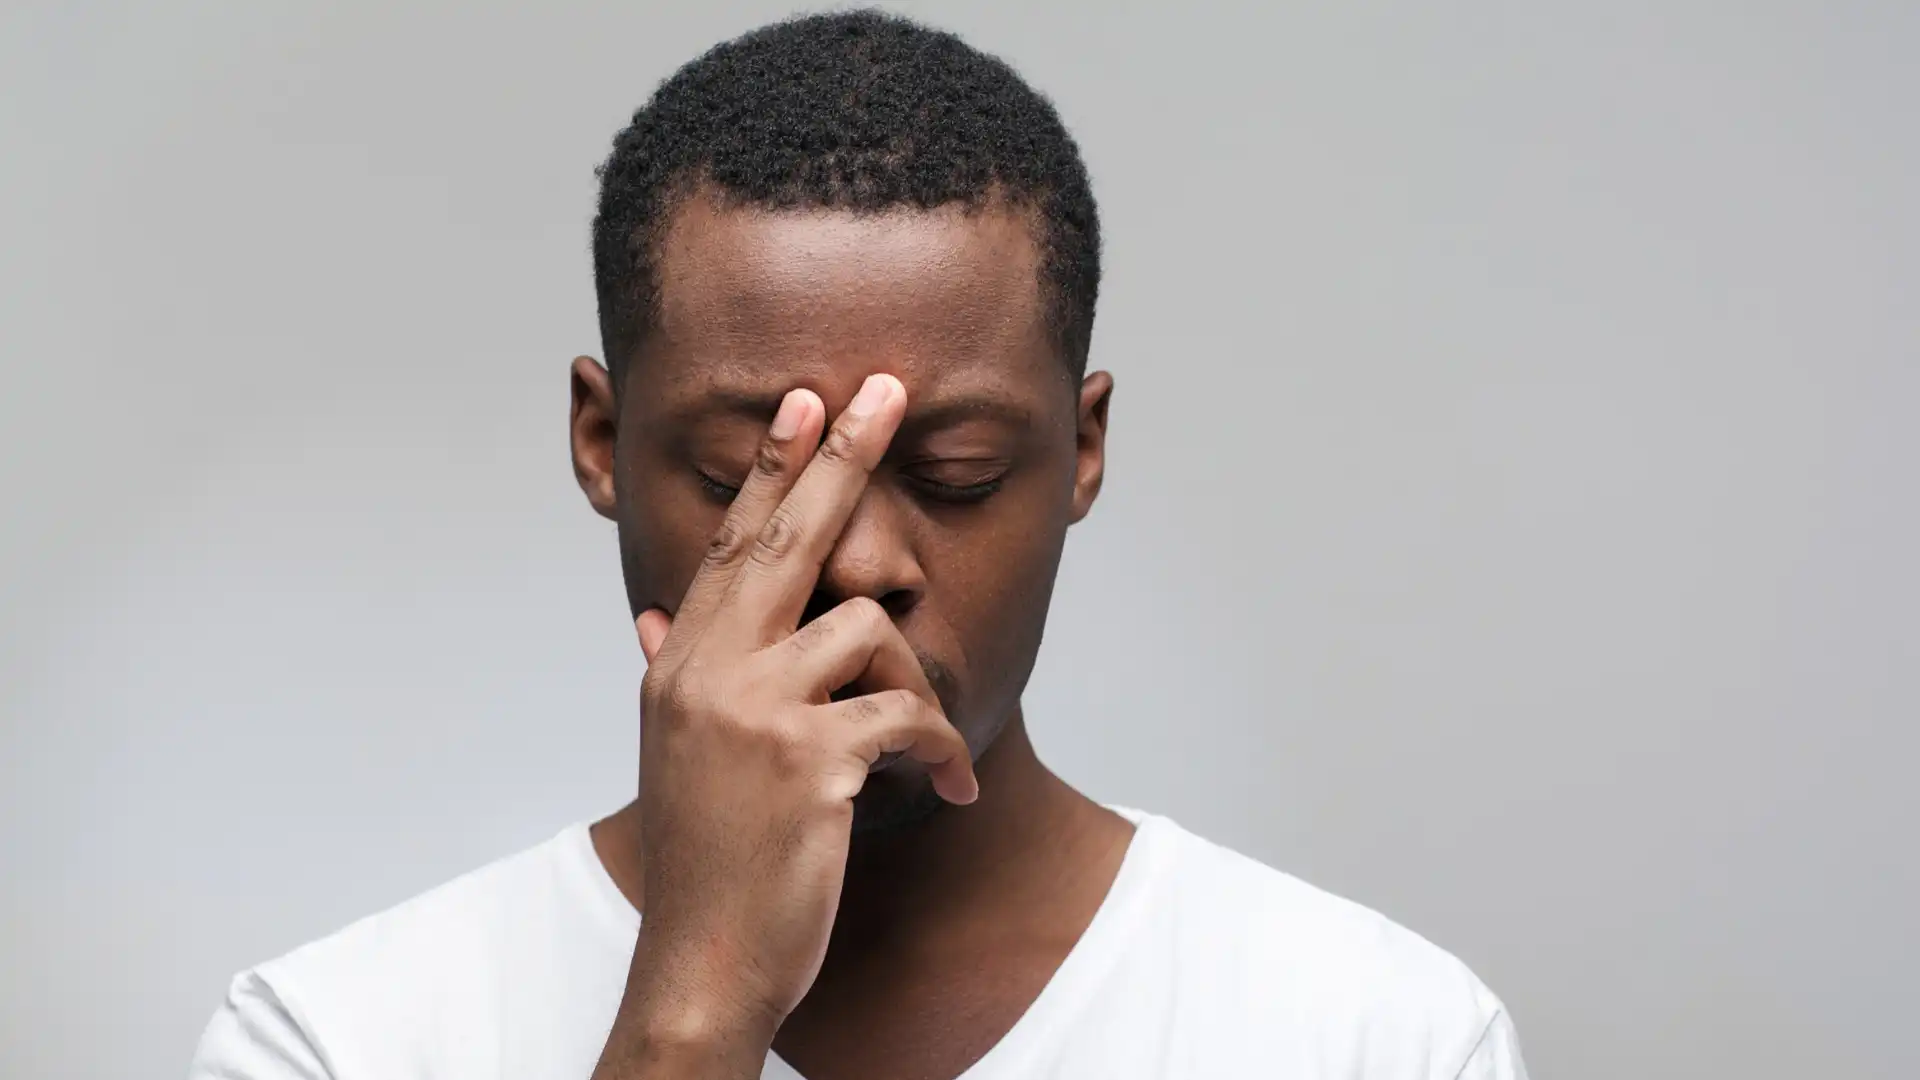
855 110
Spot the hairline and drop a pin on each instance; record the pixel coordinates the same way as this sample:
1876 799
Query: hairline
694 183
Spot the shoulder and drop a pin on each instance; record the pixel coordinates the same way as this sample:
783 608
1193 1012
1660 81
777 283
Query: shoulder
1344 971
1344 947
444 934
343 1004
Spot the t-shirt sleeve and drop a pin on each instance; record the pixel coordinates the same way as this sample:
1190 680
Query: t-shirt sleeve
1497 1055
255 1036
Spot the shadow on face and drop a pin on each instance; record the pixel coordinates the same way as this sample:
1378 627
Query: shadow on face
958 535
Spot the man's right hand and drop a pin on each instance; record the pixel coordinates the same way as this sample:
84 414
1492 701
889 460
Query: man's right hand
748 768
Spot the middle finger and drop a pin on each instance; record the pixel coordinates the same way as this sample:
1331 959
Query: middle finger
783 564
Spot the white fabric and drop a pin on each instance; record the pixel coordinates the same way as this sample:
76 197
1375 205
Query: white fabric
1200 963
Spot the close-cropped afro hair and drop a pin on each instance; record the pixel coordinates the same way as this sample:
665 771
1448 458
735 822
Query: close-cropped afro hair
860 111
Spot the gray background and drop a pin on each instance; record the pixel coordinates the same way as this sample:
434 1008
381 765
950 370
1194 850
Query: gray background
1511 516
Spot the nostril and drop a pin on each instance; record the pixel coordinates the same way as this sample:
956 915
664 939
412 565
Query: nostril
895 603
817 605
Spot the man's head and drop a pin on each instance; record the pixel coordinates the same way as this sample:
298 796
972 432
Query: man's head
860 112
812 203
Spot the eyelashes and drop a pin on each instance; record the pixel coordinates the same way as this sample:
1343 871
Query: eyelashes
721 493
959 494
953 494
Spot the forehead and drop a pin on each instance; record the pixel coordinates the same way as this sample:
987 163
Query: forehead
759 301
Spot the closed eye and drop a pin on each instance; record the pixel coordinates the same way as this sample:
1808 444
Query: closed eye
942 491
722 493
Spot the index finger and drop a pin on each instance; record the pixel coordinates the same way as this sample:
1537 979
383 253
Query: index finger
782 454
783 563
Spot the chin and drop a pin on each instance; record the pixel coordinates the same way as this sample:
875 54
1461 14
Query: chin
893 800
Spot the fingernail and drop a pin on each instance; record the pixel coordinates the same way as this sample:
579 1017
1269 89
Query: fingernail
873 394
787 420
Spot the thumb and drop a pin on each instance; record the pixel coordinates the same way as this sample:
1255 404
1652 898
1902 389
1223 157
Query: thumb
652 626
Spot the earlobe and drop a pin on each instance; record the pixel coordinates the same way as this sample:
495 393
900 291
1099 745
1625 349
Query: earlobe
1090 469
591 426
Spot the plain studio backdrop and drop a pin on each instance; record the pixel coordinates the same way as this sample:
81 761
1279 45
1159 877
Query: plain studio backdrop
1511 520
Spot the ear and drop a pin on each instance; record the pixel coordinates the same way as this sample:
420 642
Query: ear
591 429
1096 390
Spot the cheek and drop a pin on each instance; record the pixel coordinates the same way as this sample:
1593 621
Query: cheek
663 537
994 584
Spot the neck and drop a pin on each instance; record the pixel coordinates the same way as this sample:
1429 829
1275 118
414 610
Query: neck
971 862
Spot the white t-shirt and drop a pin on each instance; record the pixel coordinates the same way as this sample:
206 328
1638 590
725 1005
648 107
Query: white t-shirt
1199 963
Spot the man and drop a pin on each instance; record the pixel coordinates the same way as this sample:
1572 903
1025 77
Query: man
846 270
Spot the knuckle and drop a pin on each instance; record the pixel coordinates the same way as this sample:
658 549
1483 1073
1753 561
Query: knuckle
862 710
655 689
902 703
789 746
811 636
670 704
778 537
837 787
789 734
771 459
840 447
726 544
682 698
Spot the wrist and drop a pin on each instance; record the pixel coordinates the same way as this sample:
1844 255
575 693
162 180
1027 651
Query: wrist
677 1013
683 1039
702 1027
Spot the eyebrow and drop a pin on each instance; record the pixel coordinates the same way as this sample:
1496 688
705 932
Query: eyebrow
760 407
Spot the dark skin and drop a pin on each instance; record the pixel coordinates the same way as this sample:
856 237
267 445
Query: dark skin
814 706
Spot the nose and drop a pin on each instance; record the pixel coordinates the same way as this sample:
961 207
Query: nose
873 558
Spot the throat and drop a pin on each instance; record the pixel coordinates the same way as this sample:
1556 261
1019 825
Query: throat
925 881
948 932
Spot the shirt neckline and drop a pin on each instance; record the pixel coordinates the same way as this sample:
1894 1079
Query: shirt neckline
583 863
1128 901
1129 898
